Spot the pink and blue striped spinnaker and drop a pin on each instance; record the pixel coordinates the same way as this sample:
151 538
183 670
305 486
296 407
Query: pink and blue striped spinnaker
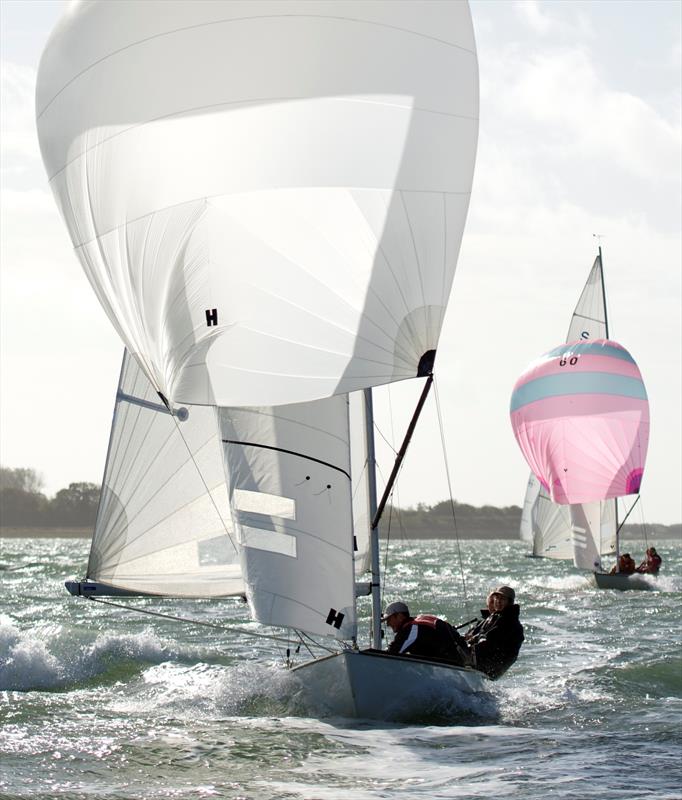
580 414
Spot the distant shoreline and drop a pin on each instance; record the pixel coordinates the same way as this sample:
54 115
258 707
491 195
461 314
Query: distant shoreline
14 532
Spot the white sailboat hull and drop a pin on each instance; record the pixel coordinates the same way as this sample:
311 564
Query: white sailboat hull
370 684
625 582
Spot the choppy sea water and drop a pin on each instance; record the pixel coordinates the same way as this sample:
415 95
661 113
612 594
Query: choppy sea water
96 702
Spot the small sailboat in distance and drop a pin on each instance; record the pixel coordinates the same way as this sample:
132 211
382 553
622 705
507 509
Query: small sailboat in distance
547 526
272 224
580 414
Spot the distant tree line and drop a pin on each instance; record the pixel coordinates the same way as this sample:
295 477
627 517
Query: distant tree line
448 520
23 503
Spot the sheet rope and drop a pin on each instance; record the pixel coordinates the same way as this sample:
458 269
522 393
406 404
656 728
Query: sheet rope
216 625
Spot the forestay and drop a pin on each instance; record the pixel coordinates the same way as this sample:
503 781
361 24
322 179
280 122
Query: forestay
291 499
163 523
268 197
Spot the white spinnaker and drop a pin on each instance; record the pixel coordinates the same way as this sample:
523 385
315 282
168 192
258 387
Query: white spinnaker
290 494
546 525
163 521
267 196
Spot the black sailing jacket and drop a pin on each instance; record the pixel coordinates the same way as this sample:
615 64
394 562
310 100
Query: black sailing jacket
428 636
497 643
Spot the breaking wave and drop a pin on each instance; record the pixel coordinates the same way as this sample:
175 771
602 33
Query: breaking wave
51 661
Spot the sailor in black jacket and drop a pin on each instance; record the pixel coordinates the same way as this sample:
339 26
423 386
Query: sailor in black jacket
497 640
424 635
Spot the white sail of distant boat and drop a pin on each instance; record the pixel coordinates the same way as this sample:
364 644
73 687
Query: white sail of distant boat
272 223
548 526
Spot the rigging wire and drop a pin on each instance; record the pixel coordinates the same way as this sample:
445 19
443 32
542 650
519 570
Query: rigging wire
302 634
452 502
217 626
642 523
390 446
201 476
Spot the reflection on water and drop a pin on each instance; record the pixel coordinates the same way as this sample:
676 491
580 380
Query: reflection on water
99 702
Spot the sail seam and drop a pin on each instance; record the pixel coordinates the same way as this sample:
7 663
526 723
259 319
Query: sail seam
419 269
163 34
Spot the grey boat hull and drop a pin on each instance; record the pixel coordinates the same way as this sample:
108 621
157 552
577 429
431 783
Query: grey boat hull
370 684
625 583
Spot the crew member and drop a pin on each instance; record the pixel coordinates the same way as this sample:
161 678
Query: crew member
424 635
497 643
651 564
626 565
485 613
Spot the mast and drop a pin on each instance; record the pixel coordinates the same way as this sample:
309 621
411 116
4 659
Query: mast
606 327
375 630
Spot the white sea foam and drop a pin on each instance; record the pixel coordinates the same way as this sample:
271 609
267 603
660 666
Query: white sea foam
562 583
398 760
26 662
49 658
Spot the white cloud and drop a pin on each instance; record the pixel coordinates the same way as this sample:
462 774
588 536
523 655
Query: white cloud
19 141
564 152
572 114
533 14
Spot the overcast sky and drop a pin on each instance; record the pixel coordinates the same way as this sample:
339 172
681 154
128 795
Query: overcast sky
580 134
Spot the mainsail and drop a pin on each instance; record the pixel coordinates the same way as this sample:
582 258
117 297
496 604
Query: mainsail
163 524
272 223
547 526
